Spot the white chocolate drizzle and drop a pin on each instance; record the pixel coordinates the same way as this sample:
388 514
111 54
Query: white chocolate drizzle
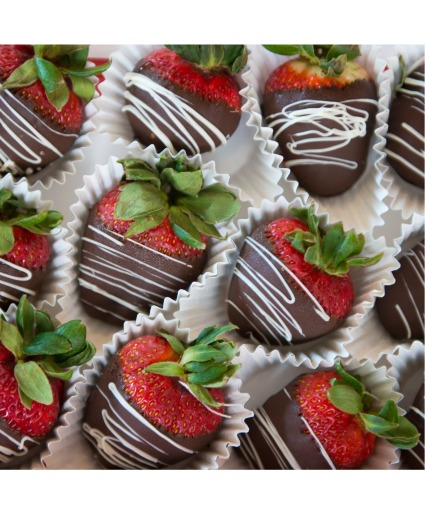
17 126
314 146
125 274
16 449
177 114
13 282
277 297
125 447
416 79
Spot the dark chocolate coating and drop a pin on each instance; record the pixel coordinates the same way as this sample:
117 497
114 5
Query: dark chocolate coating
401 309
406 127
12 285
11 453
125 439
280 416
415 458
45 142
136 275
324 178
217 113
257 308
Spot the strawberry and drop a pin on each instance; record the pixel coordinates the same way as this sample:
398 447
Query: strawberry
406 133
24 247
43 92
152 230
291 283
321 106
324 419
35 360
159 400
186 96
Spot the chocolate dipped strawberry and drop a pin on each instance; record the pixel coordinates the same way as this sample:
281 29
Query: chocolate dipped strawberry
321 106
401 310
160 400
35 359
148 237
323 420
186 96
43 93
405 138
24 247
291 282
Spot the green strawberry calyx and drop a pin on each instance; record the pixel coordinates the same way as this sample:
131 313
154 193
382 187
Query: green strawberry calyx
232 57
59 68
173 188
42 351
205 362
332 59
349 395
14 213
333 250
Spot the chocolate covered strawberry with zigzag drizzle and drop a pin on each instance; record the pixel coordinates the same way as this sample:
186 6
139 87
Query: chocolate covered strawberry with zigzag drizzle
43 93
186 96
291 282
321 106
148 237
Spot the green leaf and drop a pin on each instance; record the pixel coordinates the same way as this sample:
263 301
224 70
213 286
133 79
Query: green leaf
53 370
213 204
53 81
188 183
191 53
139 198
74 358
82 87
175 343
365 261
284 49
345 399
211 55
350 51
43 322
33 382
224 379
146 222
389 411
138 170
349 379
75 332
25 315
406 436
5 196
211 333
332 242
202 353
208 376
7 240
47 344
166 368
24 75
11 338
198 366
89 71
203 395
26 401
184 228
377 425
